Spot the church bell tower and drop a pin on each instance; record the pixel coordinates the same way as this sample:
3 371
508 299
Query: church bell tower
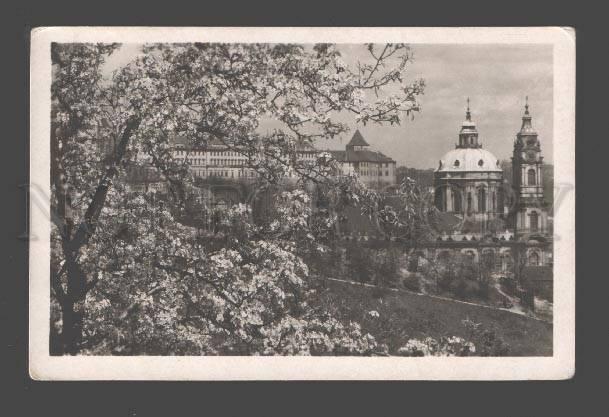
529 214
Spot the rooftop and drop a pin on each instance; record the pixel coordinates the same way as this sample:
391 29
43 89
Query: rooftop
351 155
357 140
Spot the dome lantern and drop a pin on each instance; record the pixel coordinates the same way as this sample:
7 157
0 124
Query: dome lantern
468 137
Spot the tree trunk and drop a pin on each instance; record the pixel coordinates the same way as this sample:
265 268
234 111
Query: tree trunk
71 334
73 300
73 306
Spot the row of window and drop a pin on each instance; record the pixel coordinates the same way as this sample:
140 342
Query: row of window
211 153
222 162
226 174
371 173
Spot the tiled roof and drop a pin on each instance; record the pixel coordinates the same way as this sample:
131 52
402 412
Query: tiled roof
181 140
359 156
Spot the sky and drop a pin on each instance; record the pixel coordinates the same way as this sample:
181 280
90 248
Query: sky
496 78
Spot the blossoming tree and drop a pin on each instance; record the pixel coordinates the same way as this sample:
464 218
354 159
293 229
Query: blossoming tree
126 276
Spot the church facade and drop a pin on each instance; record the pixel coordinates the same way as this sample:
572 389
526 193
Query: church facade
469 180
494 222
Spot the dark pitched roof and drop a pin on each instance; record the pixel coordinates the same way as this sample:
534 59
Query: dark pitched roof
357 140
359 156
182 140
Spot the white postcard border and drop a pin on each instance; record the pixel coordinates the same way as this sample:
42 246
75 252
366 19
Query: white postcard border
561 365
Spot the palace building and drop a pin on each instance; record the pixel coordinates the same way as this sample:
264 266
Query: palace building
374 169
218 160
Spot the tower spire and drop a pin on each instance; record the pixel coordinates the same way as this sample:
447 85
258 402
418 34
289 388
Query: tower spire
527 127
468 115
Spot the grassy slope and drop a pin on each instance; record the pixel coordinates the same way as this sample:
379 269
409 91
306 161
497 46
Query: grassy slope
404 315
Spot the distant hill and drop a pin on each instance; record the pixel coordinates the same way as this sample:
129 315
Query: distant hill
423 176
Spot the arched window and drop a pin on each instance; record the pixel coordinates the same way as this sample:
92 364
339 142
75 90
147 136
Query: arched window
439 197
457 206
532 177
482 200
533 259
534 219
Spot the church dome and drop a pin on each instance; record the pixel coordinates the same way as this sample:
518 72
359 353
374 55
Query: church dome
469 160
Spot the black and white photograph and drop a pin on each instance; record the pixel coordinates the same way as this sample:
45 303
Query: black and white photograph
257 203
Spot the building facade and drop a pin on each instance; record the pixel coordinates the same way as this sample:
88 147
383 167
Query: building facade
214 160
530 214
218 160
469 180
469 186
374 169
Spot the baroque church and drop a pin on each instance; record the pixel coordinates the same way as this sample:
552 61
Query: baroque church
506 224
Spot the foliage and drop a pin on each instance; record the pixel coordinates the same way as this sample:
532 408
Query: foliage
386 265
128 276
486 340
411 282
445 346
424 177
404 316
461 275
405 215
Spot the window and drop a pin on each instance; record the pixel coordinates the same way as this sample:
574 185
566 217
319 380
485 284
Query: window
534 259
469 202
482 200
531 177
456 201
534 219
457 163
440 199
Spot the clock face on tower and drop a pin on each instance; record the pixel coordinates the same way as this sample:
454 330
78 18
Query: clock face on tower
531 156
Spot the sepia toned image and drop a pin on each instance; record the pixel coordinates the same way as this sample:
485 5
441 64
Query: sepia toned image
252 202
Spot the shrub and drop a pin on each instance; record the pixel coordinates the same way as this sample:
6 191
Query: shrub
359 265
411 282
508 285
483 289
386 268
487 341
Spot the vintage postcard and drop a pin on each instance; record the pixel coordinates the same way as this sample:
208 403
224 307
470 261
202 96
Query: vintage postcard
302 203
